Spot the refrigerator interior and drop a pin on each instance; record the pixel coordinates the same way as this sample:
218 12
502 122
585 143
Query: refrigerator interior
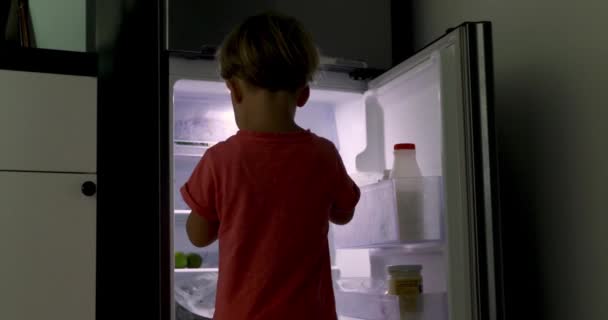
364 125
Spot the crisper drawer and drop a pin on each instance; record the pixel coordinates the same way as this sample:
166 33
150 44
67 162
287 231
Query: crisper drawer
393 212
48 122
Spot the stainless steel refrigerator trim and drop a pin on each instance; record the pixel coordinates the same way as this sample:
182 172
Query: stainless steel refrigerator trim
485 139
490 176
172 82
481 177
457 231
470 174
166 22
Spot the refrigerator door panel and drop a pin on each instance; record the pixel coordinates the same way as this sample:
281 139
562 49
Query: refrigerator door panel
447 85
406 99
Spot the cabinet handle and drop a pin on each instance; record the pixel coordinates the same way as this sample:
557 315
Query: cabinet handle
89 188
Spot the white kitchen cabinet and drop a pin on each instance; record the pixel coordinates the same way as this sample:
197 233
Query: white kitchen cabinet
48 122
48 246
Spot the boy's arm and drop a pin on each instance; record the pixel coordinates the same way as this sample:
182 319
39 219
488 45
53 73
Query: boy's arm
201 231
199 193
347 195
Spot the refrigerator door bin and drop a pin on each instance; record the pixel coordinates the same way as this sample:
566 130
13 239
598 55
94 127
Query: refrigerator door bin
377 306
395 212
368 306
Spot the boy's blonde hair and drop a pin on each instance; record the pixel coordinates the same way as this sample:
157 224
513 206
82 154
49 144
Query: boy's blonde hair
270 51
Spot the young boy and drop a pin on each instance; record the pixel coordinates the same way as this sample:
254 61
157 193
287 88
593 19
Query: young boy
269 192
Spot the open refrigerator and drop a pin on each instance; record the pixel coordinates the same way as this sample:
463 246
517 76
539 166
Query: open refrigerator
440 99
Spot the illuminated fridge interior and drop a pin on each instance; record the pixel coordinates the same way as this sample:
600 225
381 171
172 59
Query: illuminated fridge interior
364 121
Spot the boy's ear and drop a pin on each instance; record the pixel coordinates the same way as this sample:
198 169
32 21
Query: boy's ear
302 96
235 90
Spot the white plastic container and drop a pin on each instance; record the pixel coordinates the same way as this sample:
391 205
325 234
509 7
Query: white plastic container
410 191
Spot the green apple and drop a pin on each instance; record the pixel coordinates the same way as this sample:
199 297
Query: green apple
195 260
181 260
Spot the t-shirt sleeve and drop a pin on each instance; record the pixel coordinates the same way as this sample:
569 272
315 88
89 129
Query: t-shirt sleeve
347 193
199 192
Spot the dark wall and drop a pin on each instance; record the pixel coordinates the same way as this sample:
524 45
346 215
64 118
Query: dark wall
550 85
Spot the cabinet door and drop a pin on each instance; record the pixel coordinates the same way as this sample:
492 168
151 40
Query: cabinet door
48 122
48 246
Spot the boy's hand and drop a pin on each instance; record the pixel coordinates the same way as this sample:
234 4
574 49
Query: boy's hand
341 217
201 232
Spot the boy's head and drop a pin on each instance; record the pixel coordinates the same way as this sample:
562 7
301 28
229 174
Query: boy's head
267 62
269 51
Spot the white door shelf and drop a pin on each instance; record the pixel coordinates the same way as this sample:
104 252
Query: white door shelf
196 270
188 274
378 306
386 217
184 148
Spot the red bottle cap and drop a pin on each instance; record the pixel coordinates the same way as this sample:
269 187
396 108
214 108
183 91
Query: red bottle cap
405 146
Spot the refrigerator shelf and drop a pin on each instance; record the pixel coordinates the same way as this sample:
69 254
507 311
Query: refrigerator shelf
395 212
186 275
375 306
197 270
202 270
181 212
188 148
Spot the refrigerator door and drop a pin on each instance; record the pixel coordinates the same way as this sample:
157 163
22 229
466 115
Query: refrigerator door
457 70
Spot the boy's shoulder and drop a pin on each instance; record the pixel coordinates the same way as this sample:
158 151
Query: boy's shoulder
324 143
216 151
323 147
219 147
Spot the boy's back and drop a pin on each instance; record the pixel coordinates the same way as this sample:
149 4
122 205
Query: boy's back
273 194
269 192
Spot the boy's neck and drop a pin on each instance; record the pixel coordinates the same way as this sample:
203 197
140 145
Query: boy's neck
260 124
270 113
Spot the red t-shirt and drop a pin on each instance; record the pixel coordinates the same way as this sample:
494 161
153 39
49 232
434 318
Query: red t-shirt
273 194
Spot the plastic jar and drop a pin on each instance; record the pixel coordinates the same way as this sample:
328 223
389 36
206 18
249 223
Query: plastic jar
405 281
404 162
409 188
